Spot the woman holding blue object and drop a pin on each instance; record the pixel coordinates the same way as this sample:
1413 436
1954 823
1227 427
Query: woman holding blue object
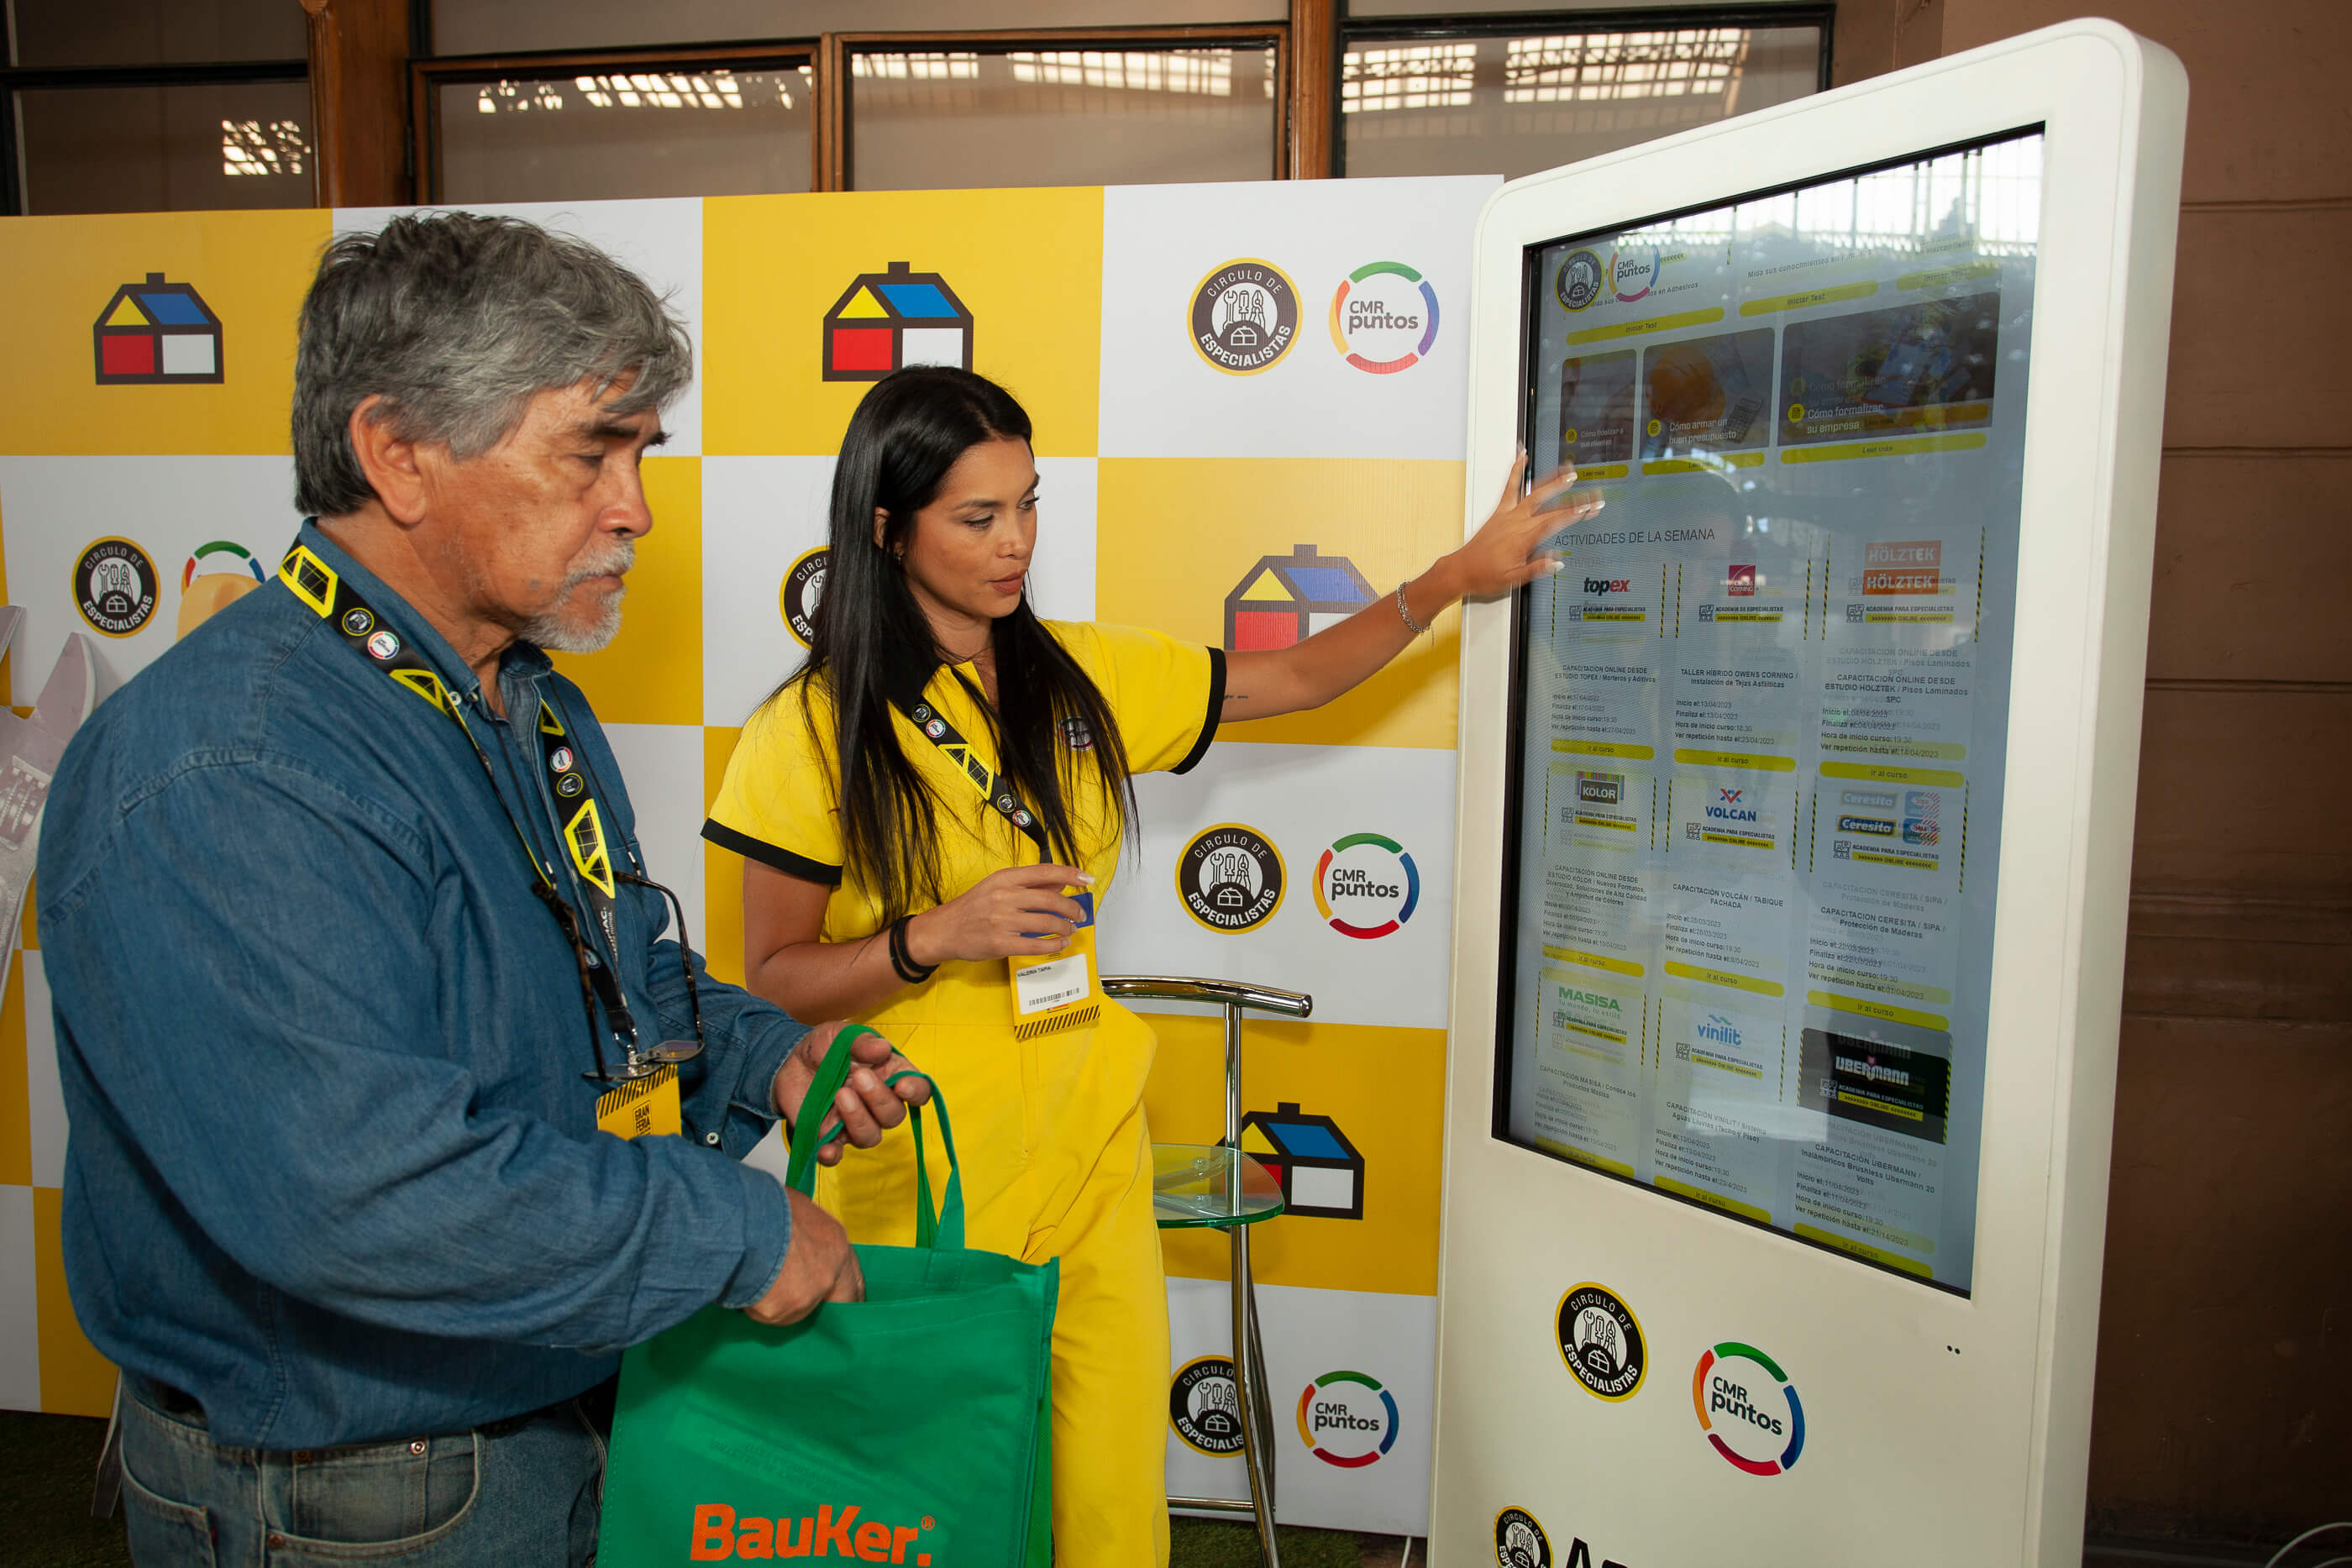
927 810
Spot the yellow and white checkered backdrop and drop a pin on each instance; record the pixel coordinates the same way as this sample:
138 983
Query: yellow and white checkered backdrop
1176 493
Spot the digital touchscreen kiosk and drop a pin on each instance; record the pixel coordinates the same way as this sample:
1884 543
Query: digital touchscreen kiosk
1759 718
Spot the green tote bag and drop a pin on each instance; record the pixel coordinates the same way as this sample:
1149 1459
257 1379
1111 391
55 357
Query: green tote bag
912 1427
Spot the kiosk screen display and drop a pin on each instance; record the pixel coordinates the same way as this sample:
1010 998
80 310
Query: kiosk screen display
1759 720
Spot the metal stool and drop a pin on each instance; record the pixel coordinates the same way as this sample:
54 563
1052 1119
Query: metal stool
1198 1185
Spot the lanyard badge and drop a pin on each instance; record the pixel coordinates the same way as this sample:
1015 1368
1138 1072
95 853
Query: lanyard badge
1050 991
1054 991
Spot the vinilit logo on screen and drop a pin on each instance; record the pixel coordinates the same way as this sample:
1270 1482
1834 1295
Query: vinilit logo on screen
1903 566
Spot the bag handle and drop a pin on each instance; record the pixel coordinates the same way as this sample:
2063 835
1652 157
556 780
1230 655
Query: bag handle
944 1229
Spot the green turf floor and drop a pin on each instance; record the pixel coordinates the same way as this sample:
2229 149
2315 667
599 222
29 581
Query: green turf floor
48 1459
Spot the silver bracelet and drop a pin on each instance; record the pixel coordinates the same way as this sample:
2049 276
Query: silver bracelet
1406 615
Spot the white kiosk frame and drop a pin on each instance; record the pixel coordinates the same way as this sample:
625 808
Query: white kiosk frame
1943 1429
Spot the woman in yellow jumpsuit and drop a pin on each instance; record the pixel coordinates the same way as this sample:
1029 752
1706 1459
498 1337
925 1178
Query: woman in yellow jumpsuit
895 890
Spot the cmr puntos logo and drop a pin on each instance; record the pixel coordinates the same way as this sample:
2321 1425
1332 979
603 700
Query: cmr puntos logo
1348 1419
1366 885
1748 1408
1380 323
720 1533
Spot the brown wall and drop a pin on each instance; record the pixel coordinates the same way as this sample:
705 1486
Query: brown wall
2225 1331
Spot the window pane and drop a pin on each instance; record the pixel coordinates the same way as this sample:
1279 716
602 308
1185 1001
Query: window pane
472 27
958 120
148 32
1514 106
1359 9
682 132
167 149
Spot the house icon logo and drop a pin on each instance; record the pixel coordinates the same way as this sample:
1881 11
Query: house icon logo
157 334
1287 599
887 320
1321 1174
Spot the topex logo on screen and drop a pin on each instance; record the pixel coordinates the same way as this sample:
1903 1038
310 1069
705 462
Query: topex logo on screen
1366 885
1348 1419
1380 323
1748 1408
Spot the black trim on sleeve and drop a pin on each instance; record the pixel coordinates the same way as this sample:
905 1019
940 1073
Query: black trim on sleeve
1209 723
768 854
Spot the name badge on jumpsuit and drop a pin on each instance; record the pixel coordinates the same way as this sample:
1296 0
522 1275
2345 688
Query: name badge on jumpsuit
1060 990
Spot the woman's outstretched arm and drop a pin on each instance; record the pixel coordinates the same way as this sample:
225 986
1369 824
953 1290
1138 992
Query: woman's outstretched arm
1501 556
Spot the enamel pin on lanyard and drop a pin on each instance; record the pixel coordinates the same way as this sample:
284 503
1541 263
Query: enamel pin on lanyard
645 1097
1051 992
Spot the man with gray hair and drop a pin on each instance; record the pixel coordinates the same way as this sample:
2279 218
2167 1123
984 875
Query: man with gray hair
356 966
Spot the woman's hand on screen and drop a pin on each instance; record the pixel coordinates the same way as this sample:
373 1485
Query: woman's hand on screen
1020 910
1504 552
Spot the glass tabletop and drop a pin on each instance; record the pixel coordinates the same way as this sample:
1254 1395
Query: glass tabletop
1197 1185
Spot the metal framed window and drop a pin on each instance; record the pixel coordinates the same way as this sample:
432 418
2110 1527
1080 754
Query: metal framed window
1077 106
731 120
1513 92
155 106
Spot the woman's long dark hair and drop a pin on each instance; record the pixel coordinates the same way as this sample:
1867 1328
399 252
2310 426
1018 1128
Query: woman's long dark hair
872 644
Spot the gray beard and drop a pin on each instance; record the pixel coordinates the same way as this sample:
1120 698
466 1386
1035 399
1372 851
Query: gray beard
557 635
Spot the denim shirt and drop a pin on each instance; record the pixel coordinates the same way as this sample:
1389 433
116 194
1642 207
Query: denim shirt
333 1166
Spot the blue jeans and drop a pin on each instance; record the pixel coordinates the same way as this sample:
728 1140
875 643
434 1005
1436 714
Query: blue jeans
518 1493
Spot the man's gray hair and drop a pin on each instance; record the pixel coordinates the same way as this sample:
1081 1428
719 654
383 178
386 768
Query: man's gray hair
455 322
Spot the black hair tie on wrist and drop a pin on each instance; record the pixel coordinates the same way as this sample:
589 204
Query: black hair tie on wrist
902 960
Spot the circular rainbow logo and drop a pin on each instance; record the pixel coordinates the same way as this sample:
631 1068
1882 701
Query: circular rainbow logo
1754 1418
1340 1413
1325 886
1382 321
